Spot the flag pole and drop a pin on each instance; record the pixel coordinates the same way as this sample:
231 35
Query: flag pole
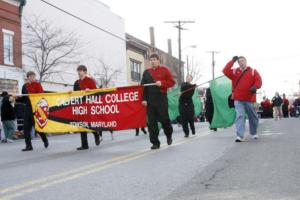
179 94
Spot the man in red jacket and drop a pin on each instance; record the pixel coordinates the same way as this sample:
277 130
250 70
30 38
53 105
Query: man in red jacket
155 98
31 87
245 82
85 83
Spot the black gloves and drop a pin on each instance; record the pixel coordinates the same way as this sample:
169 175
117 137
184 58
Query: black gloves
253 89
235 58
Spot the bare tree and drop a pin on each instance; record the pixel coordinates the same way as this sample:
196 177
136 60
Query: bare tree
48 47
105 74
195 69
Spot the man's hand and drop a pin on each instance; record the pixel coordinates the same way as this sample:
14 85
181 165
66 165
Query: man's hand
158 83
235 58
144 103
253 89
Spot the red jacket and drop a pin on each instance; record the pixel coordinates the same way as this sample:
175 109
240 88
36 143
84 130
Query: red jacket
266 104
286 102
162 74
30 88
34 87
86 83
241 91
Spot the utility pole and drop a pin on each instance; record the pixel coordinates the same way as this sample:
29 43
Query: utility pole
179 25
213 62
187 65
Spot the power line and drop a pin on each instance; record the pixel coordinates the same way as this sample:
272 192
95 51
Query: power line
82 20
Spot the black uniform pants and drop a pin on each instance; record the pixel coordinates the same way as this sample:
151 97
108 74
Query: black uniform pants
27 128
137 131
285 111
187 113
84 139
157 111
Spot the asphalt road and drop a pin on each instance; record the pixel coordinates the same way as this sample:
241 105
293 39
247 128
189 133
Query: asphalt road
209 165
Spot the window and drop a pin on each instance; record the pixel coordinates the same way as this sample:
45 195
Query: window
135 70
8 47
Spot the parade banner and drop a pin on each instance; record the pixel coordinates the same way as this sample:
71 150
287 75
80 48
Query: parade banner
91 110
223 115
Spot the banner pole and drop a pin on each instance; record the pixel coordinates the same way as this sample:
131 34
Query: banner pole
149 84
179 94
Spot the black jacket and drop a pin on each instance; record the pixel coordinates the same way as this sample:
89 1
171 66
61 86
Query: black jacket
7 110
151 93
209 106
188 92
277 101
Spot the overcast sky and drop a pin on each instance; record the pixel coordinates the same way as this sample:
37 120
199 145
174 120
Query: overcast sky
266 32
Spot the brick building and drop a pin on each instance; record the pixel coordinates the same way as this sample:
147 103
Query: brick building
11 74
143 49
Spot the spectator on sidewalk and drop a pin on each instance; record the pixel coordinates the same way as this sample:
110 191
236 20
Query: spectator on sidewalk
285 107
2 137
8 118
267 108
277 104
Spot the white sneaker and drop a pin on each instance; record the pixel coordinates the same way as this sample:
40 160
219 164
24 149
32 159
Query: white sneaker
10 141
255 137
239 139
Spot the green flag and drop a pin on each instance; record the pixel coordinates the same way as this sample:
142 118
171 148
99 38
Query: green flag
173 100
223 115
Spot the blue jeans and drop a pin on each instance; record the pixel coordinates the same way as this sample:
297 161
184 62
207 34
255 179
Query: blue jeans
9 128
242 108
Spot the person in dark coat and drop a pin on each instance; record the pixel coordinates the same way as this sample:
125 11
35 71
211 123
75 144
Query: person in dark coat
156 101
285 106
277 104
8 118
186 106
209 107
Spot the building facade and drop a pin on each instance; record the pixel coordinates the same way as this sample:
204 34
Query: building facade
136 56
136 49
101 39
11 73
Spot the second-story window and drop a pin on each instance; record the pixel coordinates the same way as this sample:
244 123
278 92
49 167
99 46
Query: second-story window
135 70
8 47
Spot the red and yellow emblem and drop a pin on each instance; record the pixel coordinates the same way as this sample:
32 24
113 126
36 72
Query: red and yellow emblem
42 113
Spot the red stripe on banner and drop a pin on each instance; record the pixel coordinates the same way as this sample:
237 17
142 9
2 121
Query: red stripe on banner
117 110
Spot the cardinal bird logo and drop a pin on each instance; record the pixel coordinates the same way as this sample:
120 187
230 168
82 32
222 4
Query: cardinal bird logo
42 113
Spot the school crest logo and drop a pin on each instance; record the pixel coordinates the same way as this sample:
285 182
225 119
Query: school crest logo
42 113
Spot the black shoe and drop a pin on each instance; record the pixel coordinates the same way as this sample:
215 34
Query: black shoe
136 134
82 148
155 147
145 132
46 144
193 133
186 135
27 149
97 141
169 140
